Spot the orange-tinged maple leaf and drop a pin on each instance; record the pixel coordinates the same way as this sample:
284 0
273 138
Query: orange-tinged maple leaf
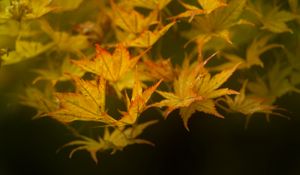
194 90
160 69
113 67
138 102
184 89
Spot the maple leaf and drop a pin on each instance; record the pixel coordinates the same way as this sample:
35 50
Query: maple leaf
209 5
252 57
61 72
274 84
40 99
248 105
147 38
272 18
116 140
88 104
113 67
25 9
194 90
183 86
64 40
131 21
216 24
149 4
137 104
207 8
25 50
161 69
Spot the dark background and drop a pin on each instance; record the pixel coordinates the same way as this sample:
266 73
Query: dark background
213 146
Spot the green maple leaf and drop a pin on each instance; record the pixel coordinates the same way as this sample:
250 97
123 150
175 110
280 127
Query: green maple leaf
272 18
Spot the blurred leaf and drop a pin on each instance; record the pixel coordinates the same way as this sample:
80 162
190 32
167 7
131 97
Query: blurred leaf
149 4
60 72
161 69
42 100
253 53
275 84
147 38
272 17
216 24
132 21
65 5
116 140
65 41
25 50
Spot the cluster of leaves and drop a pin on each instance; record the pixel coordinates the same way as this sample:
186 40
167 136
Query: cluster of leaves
110 52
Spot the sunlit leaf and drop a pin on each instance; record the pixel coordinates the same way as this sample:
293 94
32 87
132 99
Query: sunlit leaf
113 67
138 102
194 90
88 104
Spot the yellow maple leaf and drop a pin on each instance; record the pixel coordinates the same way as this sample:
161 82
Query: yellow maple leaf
113 67
87 104
160 69
248 105
272 17
131 21
147 38
148 4
216 24
194 90
115 140
138 102
208 6
253 54
211 5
